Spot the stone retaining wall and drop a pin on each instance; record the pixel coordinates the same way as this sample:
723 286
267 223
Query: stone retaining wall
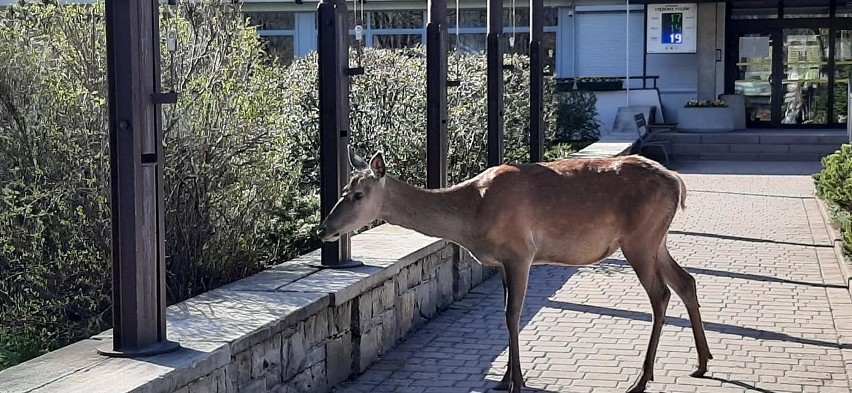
291 328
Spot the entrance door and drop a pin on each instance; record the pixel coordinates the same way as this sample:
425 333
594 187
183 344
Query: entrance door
784 74
805 85
757 77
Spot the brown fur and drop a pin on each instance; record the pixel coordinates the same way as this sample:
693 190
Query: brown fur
569 212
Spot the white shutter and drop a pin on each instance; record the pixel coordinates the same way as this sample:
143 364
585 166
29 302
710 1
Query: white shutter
601 38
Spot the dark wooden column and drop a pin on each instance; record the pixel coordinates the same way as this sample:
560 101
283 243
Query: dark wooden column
136 166
536 80
494 46
333 48
436 95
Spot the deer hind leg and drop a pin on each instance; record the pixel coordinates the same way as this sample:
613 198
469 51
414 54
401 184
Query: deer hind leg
515 278
644 264
504 382
684 285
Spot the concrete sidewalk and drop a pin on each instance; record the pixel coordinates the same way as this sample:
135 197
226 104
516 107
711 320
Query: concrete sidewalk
777 315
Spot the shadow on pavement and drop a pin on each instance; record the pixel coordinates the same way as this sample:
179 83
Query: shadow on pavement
712 326
738 383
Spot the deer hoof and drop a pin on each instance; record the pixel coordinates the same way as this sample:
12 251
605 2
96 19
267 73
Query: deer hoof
698 372
505 385
637 388
639 385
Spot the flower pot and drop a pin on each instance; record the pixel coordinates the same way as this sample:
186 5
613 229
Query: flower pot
706 119
600 86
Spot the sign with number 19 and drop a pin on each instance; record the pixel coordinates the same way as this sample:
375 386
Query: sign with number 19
671 28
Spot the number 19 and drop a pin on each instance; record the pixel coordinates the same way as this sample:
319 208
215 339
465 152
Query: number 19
676 38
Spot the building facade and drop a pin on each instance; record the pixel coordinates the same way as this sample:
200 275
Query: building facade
790 59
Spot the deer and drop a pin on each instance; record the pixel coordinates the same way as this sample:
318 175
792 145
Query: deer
569 212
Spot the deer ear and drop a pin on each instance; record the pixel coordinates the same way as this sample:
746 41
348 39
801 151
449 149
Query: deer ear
377 165
356 161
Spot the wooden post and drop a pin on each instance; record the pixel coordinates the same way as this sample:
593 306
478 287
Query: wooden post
494 75
436 95
333 38
136 167
536 81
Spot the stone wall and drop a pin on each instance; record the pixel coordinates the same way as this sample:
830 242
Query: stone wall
291 328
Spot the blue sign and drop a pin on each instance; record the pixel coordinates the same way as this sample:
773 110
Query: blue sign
672 26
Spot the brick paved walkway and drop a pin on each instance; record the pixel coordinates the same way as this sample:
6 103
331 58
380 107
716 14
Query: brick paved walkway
776 315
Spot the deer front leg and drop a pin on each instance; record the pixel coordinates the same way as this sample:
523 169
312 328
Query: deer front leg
516 278
659 295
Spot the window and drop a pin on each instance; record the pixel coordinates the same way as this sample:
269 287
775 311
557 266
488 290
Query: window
396 41
272 20
280 47
806 8
754 9
467 43
407 28
390 29
397 20
468 18
277 31
479 17
471 35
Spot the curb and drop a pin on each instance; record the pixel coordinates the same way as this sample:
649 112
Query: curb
836 241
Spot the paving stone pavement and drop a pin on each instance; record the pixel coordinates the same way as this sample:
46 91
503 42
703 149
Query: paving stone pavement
776 314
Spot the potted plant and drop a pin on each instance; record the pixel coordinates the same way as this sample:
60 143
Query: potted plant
706 104
706 116
595 83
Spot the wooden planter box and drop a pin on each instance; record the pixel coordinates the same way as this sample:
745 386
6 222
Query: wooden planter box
706 119
600 86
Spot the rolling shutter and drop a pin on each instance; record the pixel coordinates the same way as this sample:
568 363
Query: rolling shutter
601 43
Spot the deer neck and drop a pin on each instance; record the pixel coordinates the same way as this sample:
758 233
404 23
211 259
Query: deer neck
443 213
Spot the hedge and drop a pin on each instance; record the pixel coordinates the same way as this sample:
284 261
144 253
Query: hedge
241 156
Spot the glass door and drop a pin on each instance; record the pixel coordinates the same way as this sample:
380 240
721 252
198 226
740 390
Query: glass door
755 76
805 84
842 74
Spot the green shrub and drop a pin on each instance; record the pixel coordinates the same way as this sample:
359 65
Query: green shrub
54 184
388 112
241 156
576 117
834 185
231 178
230 188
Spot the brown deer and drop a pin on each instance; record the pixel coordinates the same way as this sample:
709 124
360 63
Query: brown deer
572 212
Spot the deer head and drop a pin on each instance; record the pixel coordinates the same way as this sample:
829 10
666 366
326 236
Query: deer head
361 199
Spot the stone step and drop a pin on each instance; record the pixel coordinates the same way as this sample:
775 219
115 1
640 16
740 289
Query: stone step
754 137
749 148
755 145
746 156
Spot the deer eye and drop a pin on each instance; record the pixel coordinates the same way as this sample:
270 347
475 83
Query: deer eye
357 195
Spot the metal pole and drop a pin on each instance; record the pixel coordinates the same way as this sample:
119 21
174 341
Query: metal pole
333 51
627 51
436 95
536 80
136 174
494 45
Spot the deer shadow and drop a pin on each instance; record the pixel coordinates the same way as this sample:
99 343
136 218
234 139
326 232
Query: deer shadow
622 267
468 341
